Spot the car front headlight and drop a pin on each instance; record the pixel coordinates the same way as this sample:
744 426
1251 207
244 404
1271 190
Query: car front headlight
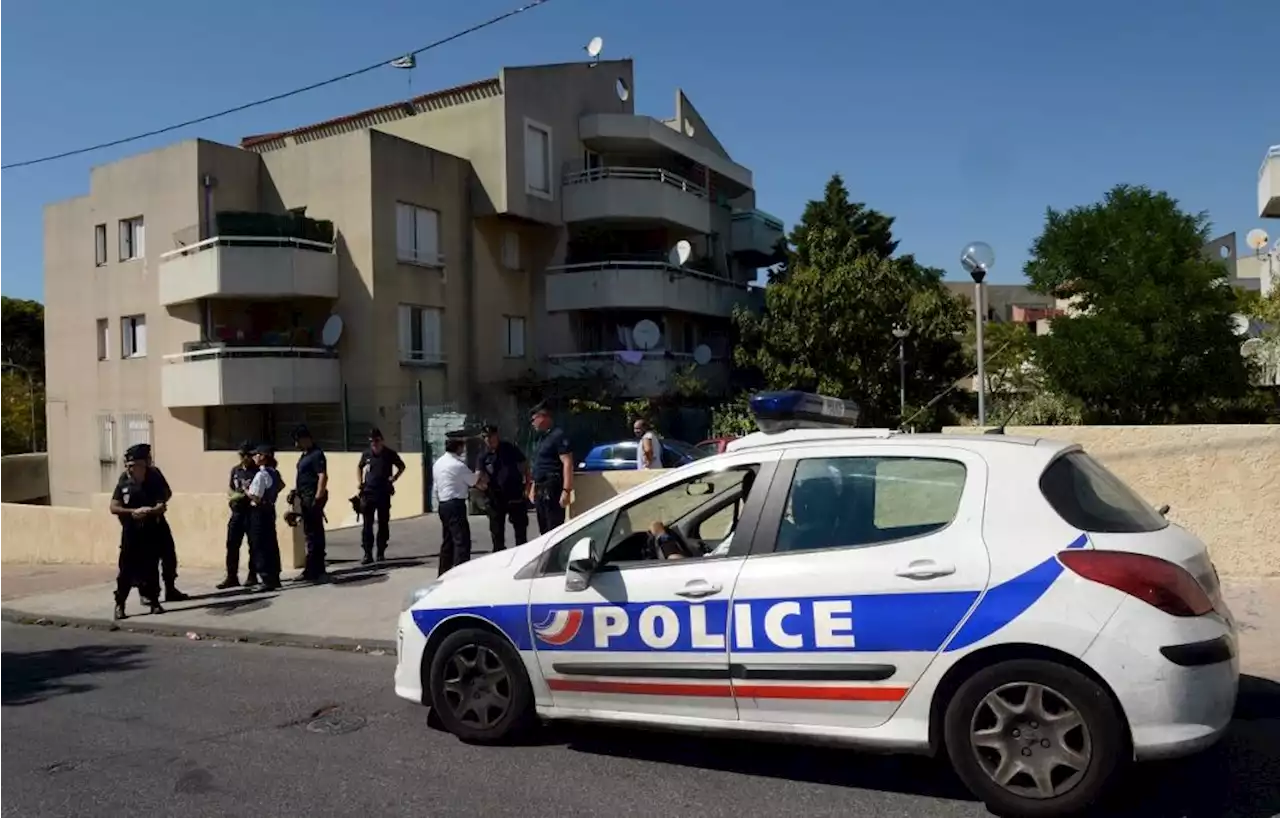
418 594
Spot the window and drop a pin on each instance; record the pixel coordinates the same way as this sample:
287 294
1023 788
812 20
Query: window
133 237
858 501
420 334
418 235
514 342
99 245
537 159
104 338
133 336
689 509
511 250
1090 498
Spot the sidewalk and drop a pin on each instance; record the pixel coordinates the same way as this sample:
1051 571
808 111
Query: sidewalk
359 608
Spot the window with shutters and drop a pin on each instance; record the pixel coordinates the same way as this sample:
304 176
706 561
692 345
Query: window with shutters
420 335
418 235
99 245
513 342
133 336
133 243
537 159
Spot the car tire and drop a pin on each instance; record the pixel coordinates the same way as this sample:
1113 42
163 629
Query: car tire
1056 719
479 689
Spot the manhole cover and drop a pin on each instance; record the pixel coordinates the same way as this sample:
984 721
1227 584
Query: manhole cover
335 724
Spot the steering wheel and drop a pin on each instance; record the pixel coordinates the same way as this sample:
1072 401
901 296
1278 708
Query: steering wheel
682 545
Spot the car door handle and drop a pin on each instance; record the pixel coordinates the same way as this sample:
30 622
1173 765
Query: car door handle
699 588
925 569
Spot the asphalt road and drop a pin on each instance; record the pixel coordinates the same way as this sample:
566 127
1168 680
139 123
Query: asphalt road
109 724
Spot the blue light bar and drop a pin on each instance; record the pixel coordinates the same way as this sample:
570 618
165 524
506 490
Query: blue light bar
780 411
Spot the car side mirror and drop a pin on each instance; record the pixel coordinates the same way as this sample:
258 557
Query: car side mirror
578 570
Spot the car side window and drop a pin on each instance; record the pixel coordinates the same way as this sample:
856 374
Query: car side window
558 557
839 502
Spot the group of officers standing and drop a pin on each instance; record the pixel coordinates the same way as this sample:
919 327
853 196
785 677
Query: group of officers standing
507 478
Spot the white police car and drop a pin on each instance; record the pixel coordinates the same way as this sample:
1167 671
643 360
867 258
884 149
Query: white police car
1005 599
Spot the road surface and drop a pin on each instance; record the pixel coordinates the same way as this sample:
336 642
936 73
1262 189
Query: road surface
114 724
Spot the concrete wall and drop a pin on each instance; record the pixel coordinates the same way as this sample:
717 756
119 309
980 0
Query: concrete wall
58 534
24 478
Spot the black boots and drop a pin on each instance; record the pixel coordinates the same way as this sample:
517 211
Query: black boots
367 559
172 594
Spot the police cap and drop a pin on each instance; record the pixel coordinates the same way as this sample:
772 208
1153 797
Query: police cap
246 447
489 429
300 432
137 452
375 433
264 448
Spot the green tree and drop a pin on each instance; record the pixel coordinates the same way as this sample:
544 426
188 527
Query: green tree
1150 339
827 325
22 345
834 223
22 334
18 424
1261 308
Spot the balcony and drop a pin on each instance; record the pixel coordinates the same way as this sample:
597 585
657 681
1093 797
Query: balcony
640 285
648 376
266 267
638 136
755 237
242 375
1269 185
615 194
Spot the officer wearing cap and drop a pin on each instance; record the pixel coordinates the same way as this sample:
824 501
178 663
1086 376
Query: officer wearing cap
507 471
379 468
238 525
139 505
168 552
552 471
312 487
264 546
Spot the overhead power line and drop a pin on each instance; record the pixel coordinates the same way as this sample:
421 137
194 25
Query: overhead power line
276 98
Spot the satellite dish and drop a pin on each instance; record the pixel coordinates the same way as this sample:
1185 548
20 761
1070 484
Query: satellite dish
332 331
1251 347
624 90
680 253
1257 239
595 47
646 334
688 129
702 355
1240 324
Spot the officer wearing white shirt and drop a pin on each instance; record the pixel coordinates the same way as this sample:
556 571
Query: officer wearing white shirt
453 480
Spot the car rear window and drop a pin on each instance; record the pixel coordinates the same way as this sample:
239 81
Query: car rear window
1091 498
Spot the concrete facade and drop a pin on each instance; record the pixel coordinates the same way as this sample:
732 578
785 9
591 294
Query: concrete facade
451 214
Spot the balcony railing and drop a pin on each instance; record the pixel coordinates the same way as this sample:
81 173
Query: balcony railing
665 177
248 241
208 350
240 266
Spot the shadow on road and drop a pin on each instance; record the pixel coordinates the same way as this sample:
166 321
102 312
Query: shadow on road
1239 778
33 677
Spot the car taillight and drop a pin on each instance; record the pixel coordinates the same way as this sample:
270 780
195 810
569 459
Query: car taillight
1155 581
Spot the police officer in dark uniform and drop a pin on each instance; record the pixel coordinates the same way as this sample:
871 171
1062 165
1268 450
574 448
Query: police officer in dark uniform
238 524
168 552
312 488
264 545
380 467
139 505
552 471
507 471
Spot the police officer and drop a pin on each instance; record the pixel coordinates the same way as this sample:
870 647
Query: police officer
312 487
380 467
139 505
238 525
168 552
507 471
552 471
264 546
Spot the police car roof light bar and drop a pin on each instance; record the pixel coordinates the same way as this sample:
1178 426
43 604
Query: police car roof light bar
782 411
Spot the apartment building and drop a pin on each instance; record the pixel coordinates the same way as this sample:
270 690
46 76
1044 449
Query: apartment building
513 229
1011 303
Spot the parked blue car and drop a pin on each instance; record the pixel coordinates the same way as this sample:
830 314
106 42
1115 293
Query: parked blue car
622 455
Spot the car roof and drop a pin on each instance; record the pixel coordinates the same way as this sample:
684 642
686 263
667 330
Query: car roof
759 441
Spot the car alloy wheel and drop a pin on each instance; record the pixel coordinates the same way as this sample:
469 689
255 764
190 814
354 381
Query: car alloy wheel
476 686
1031 740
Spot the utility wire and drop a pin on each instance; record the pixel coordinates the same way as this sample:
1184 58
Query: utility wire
256 103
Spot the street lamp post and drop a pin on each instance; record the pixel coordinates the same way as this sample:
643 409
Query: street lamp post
31 396
900 332
977 259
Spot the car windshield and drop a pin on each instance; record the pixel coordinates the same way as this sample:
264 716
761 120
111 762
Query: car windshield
1093 499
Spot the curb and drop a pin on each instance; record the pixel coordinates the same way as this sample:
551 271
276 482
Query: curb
374 647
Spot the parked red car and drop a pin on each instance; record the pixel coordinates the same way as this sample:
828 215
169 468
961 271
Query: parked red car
715 445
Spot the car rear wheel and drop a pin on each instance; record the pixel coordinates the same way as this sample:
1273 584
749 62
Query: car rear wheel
479 688
1034 738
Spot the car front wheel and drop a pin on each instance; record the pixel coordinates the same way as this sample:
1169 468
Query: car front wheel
1034 738
479 688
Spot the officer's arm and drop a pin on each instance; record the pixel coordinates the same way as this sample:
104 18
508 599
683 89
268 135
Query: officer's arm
117 507
166 493
322 471
399 464
360 470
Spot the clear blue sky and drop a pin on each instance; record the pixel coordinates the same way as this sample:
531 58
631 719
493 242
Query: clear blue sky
963 120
